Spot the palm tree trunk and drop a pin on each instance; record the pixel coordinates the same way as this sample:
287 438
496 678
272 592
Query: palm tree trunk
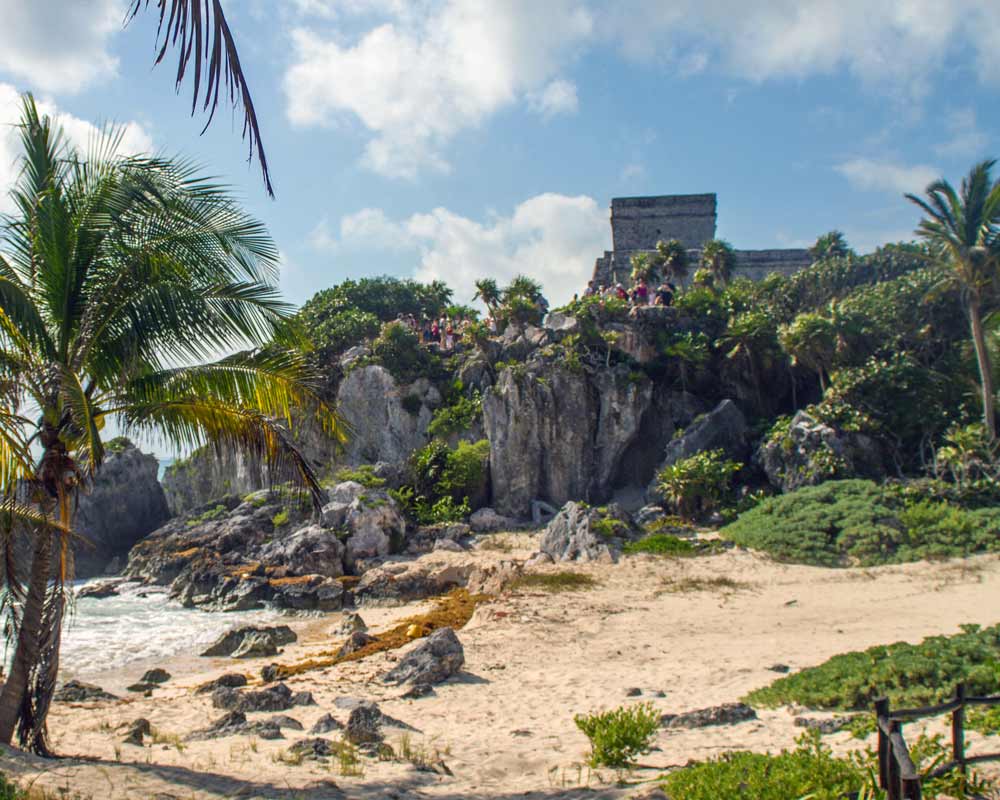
26 655
985 368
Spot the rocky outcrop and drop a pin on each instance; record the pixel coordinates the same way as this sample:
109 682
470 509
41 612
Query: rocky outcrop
434 660
208 474
387 421
408 581
558 434
233 641
124 504
581 533
726 714
811 452
270 549
723 428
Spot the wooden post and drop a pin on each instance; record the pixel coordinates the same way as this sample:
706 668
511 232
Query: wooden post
958 728
895 779
882 712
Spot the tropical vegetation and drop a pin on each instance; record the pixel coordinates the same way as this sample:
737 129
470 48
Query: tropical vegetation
117 274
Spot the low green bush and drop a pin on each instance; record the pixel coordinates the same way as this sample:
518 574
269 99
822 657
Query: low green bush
697 484
281 518
457 416
661 544
364 474
565 581
910 675
984 719
812 772
618 737
858 522
10 791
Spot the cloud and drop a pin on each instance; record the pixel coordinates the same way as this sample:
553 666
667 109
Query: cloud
887 176
553 238
54 45
558 97
422 76
966 140
79 132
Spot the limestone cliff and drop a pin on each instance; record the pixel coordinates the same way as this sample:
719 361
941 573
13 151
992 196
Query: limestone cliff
125 503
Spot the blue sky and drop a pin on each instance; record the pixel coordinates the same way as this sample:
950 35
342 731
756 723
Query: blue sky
472 137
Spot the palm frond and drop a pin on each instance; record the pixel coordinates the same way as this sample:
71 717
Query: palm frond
199 30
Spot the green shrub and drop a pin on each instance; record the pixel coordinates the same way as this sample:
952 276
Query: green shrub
698 483
364 474
281 518
984 719
810 770
10 791
399 350
458 416
857 521
618 737
609 527
118 444
910 675
661 544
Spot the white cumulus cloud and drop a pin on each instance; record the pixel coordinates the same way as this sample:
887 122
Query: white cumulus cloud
79 132
558 97
54 45
888 176
418 79
553 238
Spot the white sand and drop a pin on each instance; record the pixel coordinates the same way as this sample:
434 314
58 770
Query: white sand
505 726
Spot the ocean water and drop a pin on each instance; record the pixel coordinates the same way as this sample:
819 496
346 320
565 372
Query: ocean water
140 625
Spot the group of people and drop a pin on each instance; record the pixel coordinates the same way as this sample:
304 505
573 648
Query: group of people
641 294
444 331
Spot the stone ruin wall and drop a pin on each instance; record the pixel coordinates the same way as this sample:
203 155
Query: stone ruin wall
638 223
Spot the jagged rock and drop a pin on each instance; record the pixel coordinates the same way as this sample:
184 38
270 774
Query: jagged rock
256 645
308 551
557 434
433 660
580 533
486 520
648 514
726 714
326 724
353 354
124 503
559 323
448 546
494 579
269 673
284 721
312 749
417 691
782 669
231 641
426 538
235 724
79 692
382 428
155 675
364 725
404 582
142 688
310 593
350 623
723 428
273 698
100 590
372 520
356 641
231 680
812 452
136 731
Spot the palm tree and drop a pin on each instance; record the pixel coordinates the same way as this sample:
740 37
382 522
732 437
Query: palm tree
830 245
672 258
963 231
188 25
750 339
643 268
116 272
811 340
488 291
718 258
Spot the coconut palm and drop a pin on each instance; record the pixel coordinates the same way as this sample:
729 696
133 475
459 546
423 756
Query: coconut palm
191 25
719 258
810 340
672 258
116 273
830 245
643 268
963 230
488 291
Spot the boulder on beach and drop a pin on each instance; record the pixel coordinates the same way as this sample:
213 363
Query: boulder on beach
434 660
231 641
79 692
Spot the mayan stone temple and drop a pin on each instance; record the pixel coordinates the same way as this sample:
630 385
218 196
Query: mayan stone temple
638 223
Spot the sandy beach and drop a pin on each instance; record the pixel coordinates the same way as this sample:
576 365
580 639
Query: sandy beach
688 633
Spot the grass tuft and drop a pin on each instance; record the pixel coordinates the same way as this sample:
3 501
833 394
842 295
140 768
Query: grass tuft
565 581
